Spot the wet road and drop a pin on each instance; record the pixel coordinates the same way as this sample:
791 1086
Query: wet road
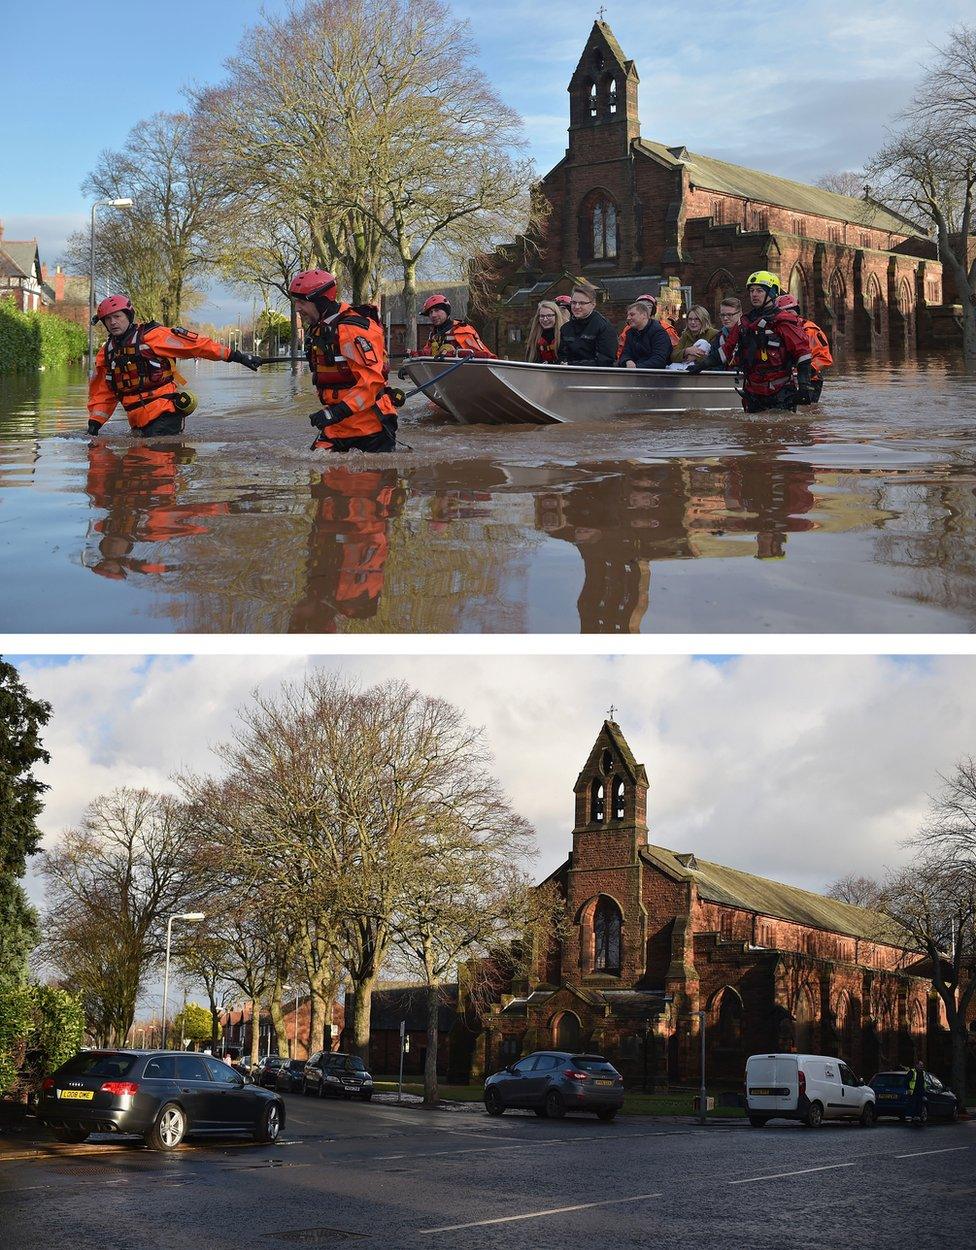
859 516
348 1172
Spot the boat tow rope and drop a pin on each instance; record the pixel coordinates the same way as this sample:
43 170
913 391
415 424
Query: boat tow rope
423 386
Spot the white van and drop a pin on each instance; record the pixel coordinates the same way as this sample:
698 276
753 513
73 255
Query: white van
811 1088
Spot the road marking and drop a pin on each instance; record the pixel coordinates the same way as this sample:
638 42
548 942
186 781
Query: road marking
538 1215
948 1150
775 1176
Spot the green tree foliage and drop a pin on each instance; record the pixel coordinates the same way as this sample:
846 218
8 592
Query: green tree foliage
41 1026
21 721
15 1019
192 1023
37 340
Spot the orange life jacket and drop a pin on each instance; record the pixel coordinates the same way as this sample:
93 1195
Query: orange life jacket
136 374
820 353
455 337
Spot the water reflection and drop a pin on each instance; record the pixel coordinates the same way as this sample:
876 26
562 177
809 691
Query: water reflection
140 491
348 547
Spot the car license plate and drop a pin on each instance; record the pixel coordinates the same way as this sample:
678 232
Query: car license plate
888 1096
81 1094
764 1092
603 1082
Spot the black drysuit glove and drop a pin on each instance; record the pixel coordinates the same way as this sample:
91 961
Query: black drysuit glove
253 363
94 429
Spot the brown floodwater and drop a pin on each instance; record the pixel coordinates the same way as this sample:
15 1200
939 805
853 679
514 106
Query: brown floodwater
859 515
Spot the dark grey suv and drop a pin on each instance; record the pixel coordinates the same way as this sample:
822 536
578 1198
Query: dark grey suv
552 1082
336 1073
160 1095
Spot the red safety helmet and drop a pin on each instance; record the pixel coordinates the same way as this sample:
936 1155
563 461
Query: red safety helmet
311 283
111 304
788 302
563 301
436 301
648 299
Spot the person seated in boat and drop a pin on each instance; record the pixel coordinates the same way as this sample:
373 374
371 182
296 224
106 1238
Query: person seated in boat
646 343
729 313
543 346
587 338
767 345
651 303
451 336
689 349
821 357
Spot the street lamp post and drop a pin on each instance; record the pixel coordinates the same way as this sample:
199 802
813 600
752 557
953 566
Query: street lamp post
123 203
702 1096
191 916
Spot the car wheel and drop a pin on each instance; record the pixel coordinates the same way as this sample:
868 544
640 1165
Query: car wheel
366 1097
493 1104
868 1118
554 1105
169 1129
270 1124
607 1115
954 1113
814 1116
74 1135
757 1121
540 1112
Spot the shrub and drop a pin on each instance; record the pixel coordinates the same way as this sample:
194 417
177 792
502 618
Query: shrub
37 340
40 1027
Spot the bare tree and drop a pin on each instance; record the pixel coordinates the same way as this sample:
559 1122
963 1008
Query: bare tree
111 883
854 888
928 169
469 895
155 248
843 182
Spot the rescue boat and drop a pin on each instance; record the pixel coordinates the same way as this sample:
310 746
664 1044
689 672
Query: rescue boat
506 392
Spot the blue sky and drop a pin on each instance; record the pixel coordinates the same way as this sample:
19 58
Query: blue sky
796 90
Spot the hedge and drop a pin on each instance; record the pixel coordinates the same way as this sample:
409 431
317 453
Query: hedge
37 340
41 1026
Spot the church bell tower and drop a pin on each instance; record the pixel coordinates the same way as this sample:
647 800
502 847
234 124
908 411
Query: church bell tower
603 96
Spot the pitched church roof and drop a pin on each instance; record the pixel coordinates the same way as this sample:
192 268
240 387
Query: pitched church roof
711 174
734 888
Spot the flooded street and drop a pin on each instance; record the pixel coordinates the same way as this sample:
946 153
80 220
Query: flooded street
860 517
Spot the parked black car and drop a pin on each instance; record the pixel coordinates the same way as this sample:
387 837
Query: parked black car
892 1098
160 1095
553 1082
333 1072
266 1073
291 1074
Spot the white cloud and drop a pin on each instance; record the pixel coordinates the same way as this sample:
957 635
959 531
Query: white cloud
801 769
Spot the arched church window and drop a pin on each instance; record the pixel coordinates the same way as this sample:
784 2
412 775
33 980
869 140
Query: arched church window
606 936
618 798
593 109
612 96
604 230
597 802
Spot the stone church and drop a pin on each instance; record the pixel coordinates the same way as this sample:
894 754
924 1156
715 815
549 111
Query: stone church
652 936
631 215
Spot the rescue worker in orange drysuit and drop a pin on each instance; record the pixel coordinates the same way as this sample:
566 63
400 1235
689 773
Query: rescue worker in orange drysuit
135 368
821 357
767 345
347 356
451 336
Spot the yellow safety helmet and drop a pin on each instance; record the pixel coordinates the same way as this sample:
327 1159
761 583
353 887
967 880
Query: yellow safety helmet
763 278
185 403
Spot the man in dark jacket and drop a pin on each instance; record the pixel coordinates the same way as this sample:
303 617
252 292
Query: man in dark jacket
646 342
587 338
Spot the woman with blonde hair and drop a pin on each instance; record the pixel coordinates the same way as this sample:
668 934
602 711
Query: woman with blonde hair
544 333
696 339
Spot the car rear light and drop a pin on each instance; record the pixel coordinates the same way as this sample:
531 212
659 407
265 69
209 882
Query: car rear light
802 1084
47 1083
119 1087
576 1076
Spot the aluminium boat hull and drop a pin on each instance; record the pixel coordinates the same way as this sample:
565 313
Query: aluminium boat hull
506 392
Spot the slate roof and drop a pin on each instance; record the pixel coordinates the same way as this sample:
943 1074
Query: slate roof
711 174
24 257
718 884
